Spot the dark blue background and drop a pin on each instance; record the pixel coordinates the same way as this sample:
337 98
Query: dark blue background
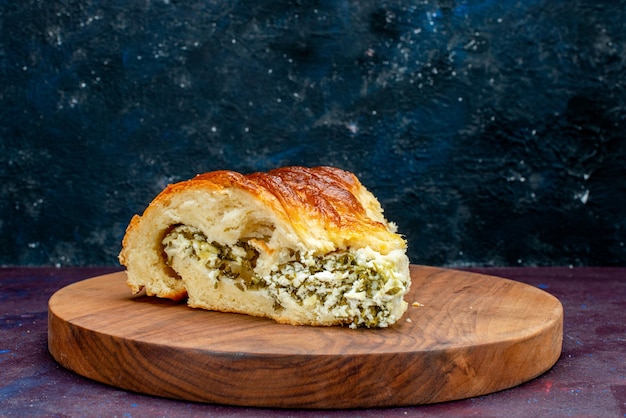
491 131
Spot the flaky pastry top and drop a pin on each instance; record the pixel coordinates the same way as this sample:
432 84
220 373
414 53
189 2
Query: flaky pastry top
328 208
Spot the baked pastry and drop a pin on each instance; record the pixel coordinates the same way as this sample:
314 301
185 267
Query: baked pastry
303 246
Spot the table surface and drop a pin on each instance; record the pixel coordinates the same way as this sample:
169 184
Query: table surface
589 379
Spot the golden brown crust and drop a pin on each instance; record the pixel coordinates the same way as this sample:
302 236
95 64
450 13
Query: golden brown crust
318 200
333 199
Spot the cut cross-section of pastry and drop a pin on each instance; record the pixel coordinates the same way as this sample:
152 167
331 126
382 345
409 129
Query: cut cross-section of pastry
303 246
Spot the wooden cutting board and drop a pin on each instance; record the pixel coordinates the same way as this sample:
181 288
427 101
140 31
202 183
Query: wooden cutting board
470 335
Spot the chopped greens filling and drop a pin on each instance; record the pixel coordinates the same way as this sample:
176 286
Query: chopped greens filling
348 285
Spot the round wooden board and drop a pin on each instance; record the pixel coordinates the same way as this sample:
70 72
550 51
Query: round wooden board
473 334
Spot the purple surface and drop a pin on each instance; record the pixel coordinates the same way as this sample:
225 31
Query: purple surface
588 380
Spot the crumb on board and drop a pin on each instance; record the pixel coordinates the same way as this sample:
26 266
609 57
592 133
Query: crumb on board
408 320
416 304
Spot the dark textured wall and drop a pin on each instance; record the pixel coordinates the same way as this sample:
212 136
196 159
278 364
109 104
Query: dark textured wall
493 132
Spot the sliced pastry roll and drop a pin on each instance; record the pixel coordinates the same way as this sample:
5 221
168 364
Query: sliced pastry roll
303 246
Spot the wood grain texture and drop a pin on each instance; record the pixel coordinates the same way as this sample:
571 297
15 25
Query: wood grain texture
474 334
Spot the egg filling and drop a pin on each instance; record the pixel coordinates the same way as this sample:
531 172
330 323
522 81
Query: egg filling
360 287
